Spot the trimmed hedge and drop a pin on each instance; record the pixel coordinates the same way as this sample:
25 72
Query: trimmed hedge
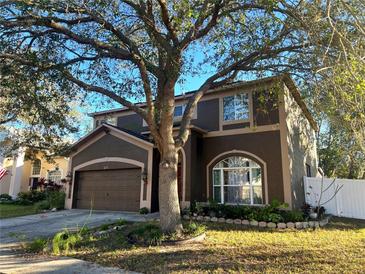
274 212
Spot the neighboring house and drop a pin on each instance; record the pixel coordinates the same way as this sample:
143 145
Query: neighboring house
24 174
249 143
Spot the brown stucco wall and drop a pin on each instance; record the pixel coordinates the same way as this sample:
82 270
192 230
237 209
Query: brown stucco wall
110 146
132 122
236 126
265 145
302 148
265 110
208 115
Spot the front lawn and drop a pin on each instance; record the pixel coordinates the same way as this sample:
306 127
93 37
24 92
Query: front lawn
339 247
13 210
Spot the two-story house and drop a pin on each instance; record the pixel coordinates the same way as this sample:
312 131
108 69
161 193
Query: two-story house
249 143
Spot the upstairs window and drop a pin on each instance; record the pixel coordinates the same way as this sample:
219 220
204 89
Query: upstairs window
179 110
236 108
36 168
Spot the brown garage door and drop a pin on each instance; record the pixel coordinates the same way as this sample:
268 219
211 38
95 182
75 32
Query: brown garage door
109 189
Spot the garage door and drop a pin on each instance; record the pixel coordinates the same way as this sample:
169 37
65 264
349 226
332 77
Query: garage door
109 189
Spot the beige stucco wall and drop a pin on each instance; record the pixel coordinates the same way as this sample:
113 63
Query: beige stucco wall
60 162
302 148
5 181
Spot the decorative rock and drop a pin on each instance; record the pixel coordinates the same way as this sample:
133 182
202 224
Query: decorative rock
316 224
118 227
221 220
214 219
207 218
305 224
299 225
254 223
281 225
245 222
186 217
311 223
194 214
229 221
290 225
262 224
54 209
237 221
199 218
193 218
271 225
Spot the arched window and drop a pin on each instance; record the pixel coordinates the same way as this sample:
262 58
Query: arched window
237 180
55 175
36 168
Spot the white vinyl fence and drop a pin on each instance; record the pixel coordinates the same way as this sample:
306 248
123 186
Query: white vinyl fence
348 202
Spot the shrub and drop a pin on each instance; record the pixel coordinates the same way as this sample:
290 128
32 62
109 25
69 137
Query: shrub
274 212
293 216
64 242
274 217
20 201
37 245
56 199
194 229
33 196
43 205
147 233
143 210
5 197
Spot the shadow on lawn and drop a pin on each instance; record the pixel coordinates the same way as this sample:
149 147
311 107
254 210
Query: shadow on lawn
276 255
206 259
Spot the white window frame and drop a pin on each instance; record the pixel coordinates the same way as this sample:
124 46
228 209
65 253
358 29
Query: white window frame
222 185
235 121
59 169
40 170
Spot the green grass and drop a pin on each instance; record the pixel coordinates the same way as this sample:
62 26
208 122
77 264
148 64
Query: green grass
337 248
11 210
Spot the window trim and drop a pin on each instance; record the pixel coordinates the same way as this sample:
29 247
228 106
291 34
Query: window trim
228 122
235 152
32 168
55 169
250 185
222 122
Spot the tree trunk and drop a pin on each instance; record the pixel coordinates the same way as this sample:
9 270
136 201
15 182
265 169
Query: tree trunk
170 219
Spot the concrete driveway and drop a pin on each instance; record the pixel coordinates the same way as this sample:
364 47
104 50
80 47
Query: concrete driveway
19 229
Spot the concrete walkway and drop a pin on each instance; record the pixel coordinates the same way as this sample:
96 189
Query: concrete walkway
15 230
12 261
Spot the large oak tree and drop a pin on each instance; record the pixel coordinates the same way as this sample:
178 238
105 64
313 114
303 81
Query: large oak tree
133 50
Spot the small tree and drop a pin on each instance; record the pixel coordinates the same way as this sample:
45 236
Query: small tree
140 50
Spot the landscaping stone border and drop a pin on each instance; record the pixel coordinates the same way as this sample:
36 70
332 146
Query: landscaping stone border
266 225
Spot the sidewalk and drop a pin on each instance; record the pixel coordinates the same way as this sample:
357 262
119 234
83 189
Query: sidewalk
12 261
